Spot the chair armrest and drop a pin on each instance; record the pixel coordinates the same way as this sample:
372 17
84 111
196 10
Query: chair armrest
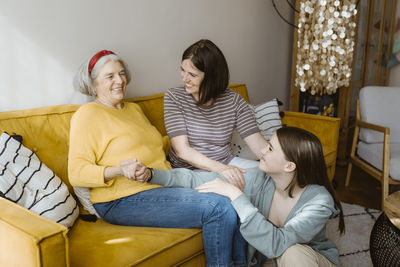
28 239
372 126
325 128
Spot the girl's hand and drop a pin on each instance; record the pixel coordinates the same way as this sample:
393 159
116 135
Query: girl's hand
220 187
233 175
142 173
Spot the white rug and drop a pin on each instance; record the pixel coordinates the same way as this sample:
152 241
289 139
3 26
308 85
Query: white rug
354 244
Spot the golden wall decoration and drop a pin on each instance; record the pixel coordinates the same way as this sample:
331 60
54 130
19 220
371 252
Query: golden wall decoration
326 34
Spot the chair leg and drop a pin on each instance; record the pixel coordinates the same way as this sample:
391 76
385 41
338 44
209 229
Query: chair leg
385 189
385 167
348 176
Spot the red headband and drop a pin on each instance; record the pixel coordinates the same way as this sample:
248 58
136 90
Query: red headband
96 58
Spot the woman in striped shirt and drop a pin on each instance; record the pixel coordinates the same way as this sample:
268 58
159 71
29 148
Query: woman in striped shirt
201 116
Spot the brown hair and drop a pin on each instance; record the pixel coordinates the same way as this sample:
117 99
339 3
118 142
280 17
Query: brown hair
305 150
208 58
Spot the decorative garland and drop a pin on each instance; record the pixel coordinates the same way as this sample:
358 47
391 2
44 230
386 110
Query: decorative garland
326 33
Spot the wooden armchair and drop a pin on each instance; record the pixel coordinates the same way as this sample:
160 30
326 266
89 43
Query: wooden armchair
376 141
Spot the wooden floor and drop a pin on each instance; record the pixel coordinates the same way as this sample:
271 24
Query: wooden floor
363 190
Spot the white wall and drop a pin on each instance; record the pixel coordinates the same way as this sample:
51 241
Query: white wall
43 41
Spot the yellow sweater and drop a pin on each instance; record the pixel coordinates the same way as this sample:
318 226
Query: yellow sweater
102 137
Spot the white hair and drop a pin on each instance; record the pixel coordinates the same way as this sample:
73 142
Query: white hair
85 82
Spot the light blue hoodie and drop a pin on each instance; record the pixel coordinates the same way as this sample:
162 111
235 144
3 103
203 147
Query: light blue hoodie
305 224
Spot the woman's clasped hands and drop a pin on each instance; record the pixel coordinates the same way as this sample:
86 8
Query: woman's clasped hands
134 170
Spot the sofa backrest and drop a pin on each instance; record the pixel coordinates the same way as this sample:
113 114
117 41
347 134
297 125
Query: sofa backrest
46 130
153 106
378 105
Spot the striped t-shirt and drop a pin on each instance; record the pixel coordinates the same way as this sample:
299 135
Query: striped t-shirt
209 128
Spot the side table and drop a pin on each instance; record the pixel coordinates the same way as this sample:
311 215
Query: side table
385 235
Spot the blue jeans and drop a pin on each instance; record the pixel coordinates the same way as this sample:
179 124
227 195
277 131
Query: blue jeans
184 208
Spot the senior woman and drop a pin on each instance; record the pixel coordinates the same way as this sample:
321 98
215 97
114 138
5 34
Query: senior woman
200 117
108 137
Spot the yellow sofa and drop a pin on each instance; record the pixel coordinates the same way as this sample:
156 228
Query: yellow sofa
30 240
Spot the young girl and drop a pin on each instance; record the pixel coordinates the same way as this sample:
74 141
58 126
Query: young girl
285 204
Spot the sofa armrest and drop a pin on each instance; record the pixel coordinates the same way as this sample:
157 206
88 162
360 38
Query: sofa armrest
325 128
28 239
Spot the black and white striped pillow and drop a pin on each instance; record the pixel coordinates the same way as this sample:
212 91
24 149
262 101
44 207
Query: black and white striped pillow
25 180
268 121
268 118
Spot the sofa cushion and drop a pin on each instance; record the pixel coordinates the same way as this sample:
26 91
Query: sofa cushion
379 105
131 246
372 153
25 180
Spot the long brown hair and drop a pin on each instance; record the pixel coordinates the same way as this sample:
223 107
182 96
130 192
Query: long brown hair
208 58
305 150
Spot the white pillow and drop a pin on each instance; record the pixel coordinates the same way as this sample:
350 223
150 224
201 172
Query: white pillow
83 195
240 148
268 118
25 180
268 121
